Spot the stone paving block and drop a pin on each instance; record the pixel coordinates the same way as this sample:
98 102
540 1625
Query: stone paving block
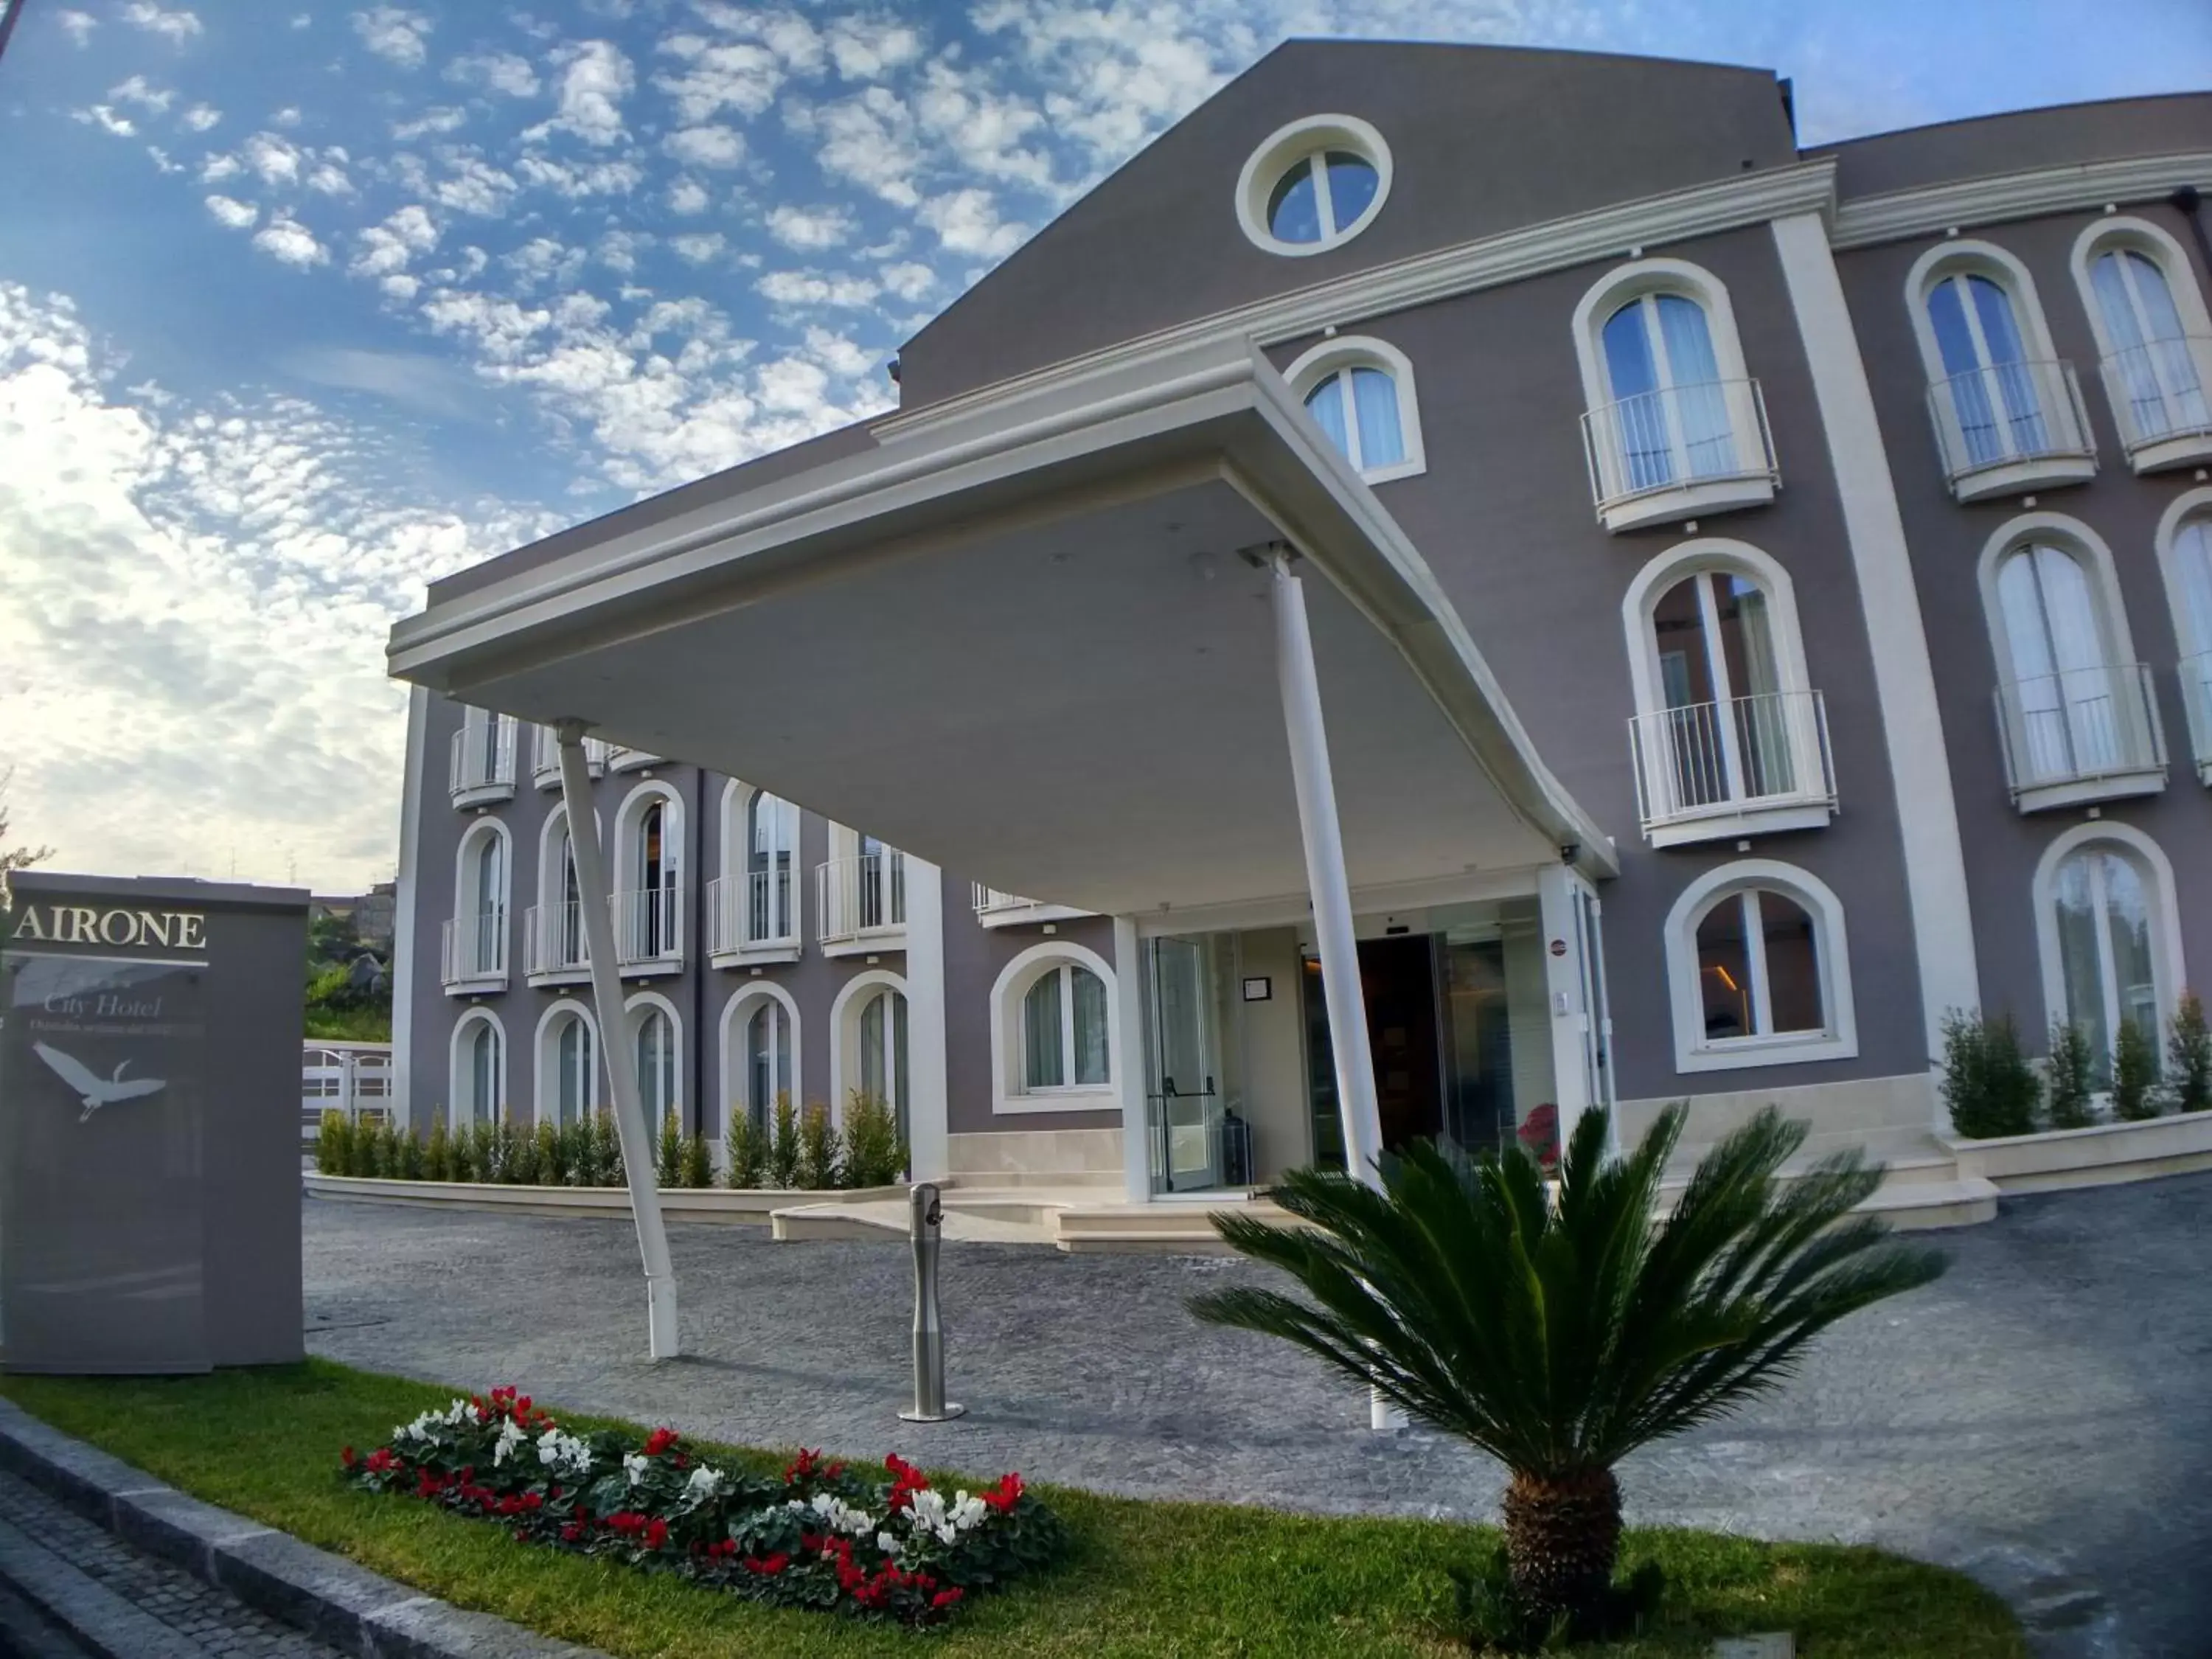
98 1617
313 1588
165 1522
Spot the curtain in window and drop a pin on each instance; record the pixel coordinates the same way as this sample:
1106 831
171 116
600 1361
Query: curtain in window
2192 556
1374 396
490 912
1763 714
767 1061
483 1073
1090 1016
570 914
2102 901
571 1070
2165 394
1640 423
1044 1065
1325 404
1992 390
769 840
1701 402
656 1066
2070 723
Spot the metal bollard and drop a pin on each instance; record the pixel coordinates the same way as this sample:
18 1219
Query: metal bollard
927 1222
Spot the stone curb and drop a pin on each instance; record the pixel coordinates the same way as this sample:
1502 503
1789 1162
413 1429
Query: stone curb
331 1598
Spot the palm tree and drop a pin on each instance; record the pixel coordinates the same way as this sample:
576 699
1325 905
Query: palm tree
1560 1332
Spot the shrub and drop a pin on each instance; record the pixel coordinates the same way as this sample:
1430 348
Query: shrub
2189 1056
546 1141
817 1148
783 1150
604 1161
373 1150
521 1150
438 1153
873 1155
334 1144
2134 1073
1987 1084
2071 1075
698 1162
411 1155
483 1151
747 1147
668 1153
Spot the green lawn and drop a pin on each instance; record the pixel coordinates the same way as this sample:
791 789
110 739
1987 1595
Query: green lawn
1147 1578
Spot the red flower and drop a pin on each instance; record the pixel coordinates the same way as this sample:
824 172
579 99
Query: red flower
1003 1497
346 1457
945 1598
800 1466
658 1442
656 1533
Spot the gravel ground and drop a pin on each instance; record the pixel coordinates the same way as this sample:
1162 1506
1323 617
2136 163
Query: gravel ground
2041 1416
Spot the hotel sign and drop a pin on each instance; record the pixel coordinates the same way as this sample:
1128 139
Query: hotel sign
116 927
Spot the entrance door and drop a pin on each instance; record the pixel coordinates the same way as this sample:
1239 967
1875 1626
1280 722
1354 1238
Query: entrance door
1398 982
1184 1111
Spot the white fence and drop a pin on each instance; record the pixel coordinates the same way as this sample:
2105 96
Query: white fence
353 1077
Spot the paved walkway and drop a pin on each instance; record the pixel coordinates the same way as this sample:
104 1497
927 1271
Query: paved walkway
69 1589
2042 1416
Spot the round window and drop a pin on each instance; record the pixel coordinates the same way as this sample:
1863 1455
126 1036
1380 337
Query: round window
1314 185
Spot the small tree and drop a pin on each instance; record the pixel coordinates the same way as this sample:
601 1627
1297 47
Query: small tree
2134 1073
817 1148
411 1155
2189 1056
747 1147
668 1153
2071 1075
333 1145
438 1154
783 1150
872 1154
698 1162
1989 1087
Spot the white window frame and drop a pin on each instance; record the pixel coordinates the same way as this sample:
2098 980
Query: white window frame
1686 497
2088 550
2155 243
1305 140
459 1069
468 903
735 870
2195 653
546 1047
1346 352
1010 1096
633 1028
845 1068
555 855
1696 1052
1806 808
2169 971
736 1076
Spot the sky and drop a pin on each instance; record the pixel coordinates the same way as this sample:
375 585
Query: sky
304 305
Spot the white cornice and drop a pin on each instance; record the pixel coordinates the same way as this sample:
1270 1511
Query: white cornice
1512 256
1966 203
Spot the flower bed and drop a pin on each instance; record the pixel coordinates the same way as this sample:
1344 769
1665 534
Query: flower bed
822 1536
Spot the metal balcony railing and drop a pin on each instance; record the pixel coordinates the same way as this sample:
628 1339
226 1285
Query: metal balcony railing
545 758
1675 438
482 767
2007 413
990 902
649 927
756 911
475 950
2078 726
554 941
2161 393
1711 760
861 895
2197 694
620 759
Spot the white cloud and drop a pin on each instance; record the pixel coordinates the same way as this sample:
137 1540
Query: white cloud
739 76
199 118
448 119
698 248
286 240
77 25
198 595
216 168
595 78
101 116
577 179
839 355
330 178
908 281
495 71
473 185
142 92
276 159
807 288
967 221
387 249
687 197
286 117
865 47
180 25
395 34
810 228
229 211
707 146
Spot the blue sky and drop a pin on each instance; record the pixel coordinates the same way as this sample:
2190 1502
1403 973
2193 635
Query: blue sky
302 305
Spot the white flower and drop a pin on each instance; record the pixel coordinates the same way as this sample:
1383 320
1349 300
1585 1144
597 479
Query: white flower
886 1543
946 1535
635 1464
841 1516
559 1451
510 1440
925 1511
968 1513
705 1482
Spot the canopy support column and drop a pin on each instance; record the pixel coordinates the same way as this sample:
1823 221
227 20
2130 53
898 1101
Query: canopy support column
618 1041
1330 889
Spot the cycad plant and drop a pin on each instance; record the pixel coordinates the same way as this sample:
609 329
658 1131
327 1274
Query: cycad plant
1560 1331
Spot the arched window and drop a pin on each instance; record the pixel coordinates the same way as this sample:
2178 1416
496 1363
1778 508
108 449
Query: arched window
882 1051
558 948
1360 393
1760 969
649 888
2109 935
476 939
2184 542
1985 364
568 1066
1673 427
1064 1031
2075 707
1053 1031
1313 185
1727 732
479 1070
482 759
761 1057
768 1058
2151 326
771 850
658 1070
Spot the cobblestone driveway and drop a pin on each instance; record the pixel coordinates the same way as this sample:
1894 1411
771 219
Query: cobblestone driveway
2042 1416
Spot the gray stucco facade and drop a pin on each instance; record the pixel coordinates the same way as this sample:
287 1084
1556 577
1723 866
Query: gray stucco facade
1516 229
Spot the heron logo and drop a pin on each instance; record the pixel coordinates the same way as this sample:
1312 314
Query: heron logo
96 1092
83 924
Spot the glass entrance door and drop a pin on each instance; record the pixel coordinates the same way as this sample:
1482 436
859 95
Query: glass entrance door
1183 1108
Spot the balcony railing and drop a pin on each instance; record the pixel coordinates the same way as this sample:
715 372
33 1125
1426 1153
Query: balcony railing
482 767
1710 768
2012 426
996 909
554 942
2161 394
1680 451
2087 733
990 902
758 911
475 952
649 927
620 759
545 758
861 897
2196 693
